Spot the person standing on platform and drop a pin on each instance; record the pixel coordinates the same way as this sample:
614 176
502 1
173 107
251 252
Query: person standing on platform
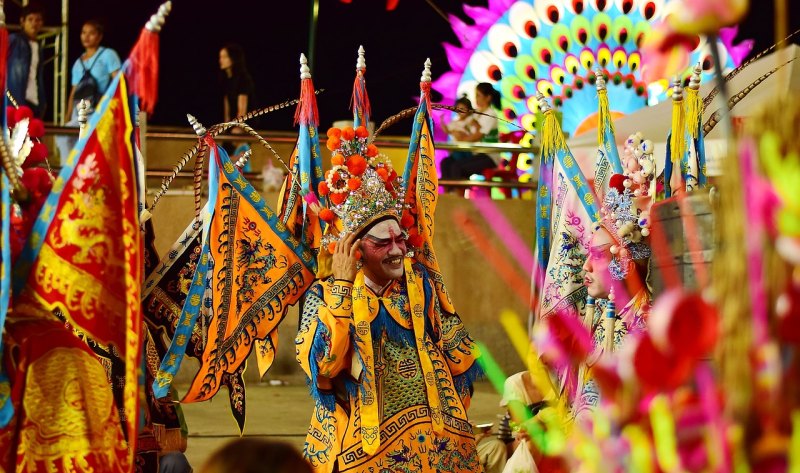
25 71
92 71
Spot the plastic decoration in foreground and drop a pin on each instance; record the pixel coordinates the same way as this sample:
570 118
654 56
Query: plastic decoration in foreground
553 46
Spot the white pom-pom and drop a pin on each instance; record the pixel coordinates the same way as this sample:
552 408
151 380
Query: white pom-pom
614 249
645 231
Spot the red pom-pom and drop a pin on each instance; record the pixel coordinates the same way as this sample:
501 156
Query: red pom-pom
571 334
39 182
24 112
331 247
362 132
334 133
694 327
353 183
416 240
383 174
36 128
37 155
326 215
323 189
657 370
11 116
617 182
407 220
337 159
356 164
372 151
333 144
338 198
348 133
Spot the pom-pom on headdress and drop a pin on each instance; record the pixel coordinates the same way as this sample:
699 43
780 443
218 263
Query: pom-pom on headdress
626 207
362 186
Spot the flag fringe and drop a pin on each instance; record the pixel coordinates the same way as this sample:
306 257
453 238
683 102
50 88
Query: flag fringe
694 111
360 101
552 136
306 112
604 116
678 138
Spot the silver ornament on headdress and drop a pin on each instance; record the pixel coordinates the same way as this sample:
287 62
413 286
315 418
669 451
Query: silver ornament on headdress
622 220
369 202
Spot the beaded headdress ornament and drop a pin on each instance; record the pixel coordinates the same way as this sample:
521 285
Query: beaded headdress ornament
625 211
361 187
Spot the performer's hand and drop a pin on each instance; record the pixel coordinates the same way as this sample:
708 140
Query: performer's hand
345 257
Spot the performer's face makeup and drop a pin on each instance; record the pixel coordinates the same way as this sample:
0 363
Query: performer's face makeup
382 252
597 279
224 59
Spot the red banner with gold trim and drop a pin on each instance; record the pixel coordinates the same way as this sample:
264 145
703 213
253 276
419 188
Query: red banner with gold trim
84 257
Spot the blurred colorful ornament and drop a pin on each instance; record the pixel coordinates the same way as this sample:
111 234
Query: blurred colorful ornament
553 47
706 17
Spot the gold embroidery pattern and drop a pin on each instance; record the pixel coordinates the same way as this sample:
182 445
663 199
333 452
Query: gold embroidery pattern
69 418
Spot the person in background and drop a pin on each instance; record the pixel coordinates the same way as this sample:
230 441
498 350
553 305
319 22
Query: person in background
463 124
491 450
237 84
98 62
238 91
487 100
255 455
25 68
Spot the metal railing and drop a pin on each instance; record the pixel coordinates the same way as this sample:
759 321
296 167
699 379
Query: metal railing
158 133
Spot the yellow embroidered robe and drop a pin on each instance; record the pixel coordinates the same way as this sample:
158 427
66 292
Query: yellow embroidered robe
328 351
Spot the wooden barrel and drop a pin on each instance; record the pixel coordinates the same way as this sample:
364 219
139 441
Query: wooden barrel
688 230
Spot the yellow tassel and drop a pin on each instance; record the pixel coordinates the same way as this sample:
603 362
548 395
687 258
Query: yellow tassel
604 116
694 110
677 141
552 136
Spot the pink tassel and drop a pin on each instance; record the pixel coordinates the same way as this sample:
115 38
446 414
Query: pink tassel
306 112
144 69
313 202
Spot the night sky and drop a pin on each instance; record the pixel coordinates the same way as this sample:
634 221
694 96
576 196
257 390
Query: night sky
274 33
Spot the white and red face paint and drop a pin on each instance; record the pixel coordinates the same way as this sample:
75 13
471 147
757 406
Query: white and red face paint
383 249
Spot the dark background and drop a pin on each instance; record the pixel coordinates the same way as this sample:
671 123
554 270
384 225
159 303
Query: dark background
274 33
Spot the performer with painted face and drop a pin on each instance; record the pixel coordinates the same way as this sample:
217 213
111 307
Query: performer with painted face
616 266
390 369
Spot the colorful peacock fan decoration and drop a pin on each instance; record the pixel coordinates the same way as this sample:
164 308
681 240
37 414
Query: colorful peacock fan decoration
553 47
